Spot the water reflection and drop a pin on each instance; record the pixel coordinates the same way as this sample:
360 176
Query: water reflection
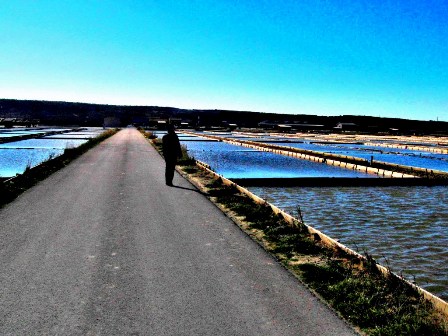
401 156
15 161
43 143
16 156
234 161
15 134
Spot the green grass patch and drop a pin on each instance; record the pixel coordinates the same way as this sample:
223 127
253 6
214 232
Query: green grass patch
378 304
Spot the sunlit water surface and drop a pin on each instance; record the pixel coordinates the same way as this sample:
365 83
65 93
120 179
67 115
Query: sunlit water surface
234 161
16 156
404 227
414 158
401 156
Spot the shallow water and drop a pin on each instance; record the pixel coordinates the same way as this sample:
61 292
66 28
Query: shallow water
401 156
15 161
72 136
16 156
43 143
404 227
14 134
234 161
405 157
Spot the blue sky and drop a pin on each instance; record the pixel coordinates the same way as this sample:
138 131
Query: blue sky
381 58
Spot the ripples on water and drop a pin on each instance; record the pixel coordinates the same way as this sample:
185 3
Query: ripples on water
239 162
400 156
403 227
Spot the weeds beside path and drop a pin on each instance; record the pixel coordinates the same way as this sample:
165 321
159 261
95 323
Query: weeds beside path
376 303
356 289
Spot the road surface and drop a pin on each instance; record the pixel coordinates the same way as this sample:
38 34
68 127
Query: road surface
103 247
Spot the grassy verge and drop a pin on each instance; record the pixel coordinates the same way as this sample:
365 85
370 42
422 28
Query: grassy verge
11 188
375 303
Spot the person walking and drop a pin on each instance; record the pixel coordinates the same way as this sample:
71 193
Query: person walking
171 152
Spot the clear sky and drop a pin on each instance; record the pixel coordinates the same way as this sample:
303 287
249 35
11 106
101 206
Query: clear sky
385 58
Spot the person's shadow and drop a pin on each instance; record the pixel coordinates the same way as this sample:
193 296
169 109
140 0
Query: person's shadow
191 189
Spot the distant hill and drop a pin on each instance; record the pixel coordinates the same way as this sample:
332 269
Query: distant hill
83 114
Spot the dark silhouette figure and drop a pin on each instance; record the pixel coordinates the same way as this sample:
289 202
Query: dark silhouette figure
171 152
